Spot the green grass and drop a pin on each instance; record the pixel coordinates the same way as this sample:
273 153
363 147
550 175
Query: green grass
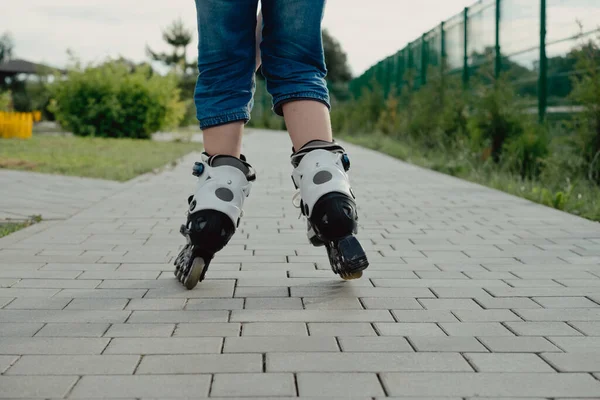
580 198
113 159
7 227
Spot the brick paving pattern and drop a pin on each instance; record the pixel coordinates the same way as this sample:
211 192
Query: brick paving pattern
471 293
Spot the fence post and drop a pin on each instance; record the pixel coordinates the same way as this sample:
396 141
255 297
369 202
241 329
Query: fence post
466 48
543 79
498 56
442 46
423 60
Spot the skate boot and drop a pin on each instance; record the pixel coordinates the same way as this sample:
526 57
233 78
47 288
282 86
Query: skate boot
326 199
214 213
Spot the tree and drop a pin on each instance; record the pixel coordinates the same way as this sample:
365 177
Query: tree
336 59
6 47
179 38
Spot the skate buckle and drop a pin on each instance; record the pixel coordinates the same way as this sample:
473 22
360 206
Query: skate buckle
198 169
345 162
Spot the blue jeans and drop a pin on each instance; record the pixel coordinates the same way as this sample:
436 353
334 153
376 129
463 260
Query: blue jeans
293 61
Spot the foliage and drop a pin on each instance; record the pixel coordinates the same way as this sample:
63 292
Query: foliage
7 46
179 38
336 60
8 226
114 159
5 101
112 100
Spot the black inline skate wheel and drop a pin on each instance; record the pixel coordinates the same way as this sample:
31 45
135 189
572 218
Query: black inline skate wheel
195 274
347 258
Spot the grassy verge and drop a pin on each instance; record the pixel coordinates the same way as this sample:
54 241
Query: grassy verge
113 159
579 198
8 227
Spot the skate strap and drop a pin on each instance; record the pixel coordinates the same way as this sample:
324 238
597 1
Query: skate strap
241 164
315 145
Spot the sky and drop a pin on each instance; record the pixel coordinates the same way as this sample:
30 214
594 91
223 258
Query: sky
369 30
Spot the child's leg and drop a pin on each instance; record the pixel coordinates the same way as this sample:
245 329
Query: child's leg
294 67
226 64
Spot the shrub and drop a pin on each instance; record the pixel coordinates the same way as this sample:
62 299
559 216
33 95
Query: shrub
5 101
115 100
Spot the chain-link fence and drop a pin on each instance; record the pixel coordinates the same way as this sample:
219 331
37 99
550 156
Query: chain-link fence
531 41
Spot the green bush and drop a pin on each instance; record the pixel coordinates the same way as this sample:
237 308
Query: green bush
5 101
115 100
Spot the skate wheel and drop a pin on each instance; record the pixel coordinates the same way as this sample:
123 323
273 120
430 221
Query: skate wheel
193 276
352 276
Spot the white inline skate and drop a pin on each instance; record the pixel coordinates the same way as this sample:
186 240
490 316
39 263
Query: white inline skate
326 199
214 213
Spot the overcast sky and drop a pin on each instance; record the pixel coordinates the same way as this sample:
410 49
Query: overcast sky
368 30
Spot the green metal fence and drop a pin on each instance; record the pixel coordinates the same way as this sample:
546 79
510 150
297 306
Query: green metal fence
529 40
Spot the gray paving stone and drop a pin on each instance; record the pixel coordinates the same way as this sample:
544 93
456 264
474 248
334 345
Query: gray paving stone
102 293
273 303
576 314
588 328
74 365
475 329
486 315
580 344
513 362
257 385
36 386
379 303
310 316
409 329
519 344
6 361
424 316
214 304
506 302
491 384
155 304
19 329
455 344
374 344
178 316
37 303
341 329
51 345
565 302
140 330
59 316
329 303
141 386
574 362
261 292
542 329
200 364
73 330
169 345
255 344
19 292
97 304
365 362
57 283
214 329
450 304
274 329
343 291
339 384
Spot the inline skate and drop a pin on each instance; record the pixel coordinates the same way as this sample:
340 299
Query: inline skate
326 199
214 213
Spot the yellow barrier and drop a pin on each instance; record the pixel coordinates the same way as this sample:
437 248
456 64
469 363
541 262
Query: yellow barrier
17 125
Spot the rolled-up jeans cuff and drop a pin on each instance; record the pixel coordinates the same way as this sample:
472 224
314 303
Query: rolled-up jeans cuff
223 119
279 101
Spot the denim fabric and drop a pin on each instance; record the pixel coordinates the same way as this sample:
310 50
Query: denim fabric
292 56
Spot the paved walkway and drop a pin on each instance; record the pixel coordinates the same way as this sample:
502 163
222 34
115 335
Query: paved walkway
471 293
